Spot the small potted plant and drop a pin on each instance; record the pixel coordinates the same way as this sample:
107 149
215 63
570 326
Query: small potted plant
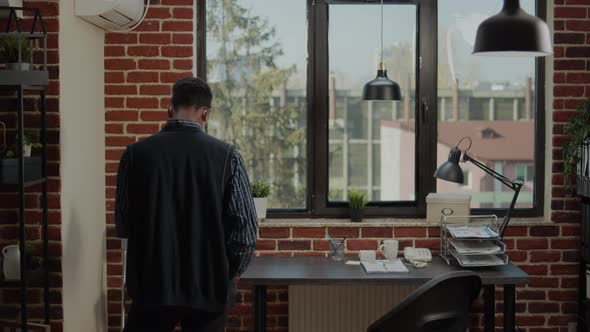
9 161
357 201
10 51
260 192
30 141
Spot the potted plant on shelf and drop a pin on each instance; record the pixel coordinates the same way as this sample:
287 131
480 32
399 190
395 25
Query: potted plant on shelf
260 192
30 141
578 130
357 201
9 161
10 51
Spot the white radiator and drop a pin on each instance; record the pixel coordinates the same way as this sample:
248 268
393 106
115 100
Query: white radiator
341 308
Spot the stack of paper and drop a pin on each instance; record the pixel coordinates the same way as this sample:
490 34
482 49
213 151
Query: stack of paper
479 232
475 247
479 260
384 266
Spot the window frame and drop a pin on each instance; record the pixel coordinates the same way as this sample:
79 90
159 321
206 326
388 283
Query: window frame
317 203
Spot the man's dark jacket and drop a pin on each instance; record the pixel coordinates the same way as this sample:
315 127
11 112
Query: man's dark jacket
176 250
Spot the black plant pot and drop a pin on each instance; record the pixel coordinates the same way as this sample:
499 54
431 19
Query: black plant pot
356 215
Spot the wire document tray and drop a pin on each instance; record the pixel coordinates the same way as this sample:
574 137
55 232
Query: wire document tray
476 244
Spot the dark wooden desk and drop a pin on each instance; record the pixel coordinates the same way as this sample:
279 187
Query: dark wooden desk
264 271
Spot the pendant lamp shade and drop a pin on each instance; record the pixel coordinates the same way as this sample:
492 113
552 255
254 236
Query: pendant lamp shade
513 32
382 88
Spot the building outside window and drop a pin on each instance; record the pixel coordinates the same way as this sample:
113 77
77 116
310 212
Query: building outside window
525 172
466 179
499 114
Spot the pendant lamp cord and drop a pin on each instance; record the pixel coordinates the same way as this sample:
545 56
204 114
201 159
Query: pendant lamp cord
381 66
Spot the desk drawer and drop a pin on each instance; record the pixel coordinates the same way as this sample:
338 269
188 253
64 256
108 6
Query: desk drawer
342 308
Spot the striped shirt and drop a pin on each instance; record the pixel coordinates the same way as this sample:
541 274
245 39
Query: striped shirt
241 240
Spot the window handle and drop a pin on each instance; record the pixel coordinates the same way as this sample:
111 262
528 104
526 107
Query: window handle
425 110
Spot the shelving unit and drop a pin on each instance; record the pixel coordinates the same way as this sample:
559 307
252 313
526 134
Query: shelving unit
583 190
23 83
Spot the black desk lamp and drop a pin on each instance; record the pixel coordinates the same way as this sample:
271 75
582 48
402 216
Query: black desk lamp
452 172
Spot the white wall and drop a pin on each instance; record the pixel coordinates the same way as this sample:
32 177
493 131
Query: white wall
391 165
81 50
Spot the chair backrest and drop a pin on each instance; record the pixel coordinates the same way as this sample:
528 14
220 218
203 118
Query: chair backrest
440 305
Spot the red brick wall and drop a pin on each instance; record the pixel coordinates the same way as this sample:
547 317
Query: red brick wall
9 296
140 67
548 252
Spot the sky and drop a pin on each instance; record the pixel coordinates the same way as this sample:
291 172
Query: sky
354 37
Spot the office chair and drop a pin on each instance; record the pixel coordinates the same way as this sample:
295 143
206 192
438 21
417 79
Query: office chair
440 305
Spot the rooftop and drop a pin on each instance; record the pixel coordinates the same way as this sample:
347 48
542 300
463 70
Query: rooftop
492 140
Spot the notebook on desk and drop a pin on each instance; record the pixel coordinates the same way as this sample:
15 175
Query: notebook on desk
384 266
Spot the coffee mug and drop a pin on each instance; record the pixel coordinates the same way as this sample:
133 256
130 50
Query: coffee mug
389 249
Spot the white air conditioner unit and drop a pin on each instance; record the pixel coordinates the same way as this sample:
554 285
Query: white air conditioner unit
111 15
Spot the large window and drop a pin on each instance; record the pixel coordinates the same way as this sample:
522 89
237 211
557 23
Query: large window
491 100
369 140
256 66
287 77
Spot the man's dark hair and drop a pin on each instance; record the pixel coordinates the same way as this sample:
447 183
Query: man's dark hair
191 91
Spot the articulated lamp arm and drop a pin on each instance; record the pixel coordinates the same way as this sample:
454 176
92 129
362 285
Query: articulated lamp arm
515 185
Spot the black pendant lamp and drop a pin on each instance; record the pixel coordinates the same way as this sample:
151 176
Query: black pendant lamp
382 88
513 32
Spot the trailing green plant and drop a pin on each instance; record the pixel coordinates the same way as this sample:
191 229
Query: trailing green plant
357 199
260 189
9 50
578 130
9 154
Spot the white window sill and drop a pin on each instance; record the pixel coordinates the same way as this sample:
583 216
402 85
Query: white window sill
380 222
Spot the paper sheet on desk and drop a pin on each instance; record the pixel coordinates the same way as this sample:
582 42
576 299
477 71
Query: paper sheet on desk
481 232
475 247
384 266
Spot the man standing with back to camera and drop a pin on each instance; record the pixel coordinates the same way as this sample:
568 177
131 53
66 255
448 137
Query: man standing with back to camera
184 203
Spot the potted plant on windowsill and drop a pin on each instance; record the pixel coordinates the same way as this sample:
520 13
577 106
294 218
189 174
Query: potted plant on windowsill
260 192
10 52
357 201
